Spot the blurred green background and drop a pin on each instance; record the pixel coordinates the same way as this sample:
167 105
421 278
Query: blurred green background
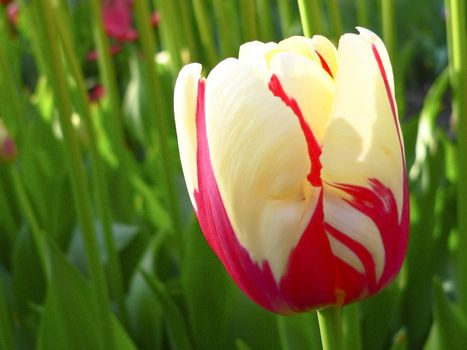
99 248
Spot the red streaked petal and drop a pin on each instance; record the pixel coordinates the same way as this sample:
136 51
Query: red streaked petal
314 149
256 281
378 203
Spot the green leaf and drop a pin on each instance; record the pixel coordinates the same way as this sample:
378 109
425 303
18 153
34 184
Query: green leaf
204 284
28 278
123 235
241 345
6 329
69 315
378 313
400 341
299 331
174 319
450 326
144 308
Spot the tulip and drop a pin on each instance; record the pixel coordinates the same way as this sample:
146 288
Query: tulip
294 162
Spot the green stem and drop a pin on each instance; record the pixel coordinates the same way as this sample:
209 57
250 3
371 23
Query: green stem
265 23
172 35
456 32
205 31
285 16
336 18
6 327
28 212
389 37
227 26
310 15
109 80
330 326
78 179
148 45
362 13
188 29
101 190
248 14
352 330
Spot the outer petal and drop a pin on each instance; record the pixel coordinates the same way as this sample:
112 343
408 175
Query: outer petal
255 205
260 161
363 165
185 95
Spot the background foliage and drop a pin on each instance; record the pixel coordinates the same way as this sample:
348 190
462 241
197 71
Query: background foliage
99 248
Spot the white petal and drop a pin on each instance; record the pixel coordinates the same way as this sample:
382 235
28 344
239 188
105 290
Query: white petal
362 140
260 161
185 96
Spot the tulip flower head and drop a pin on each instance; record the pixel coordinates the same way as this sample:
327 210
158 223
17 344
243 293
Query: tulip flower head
294 162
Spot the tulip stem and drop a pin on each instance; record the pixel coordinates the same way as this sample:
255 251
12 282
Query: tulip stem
330 326
310 16
455 29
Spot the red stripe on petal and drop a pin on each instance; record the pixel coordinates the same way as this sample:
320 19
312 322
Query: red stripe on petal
378 203
324 64
390 97
314 149
365 257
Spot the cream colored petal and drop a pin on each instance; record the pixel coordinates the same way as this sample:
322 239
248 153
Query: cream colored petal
300 45
260 162
254 54
327 50
362 140
361 143
185 96
308 83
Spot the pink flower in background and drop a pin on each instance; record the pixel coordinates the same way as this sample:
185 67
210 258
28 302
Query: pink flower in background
118 20
294 162
13 12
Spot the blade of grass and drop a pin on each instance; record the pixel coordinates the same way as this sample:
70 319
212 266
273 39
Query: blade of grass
310 15
362 13
6 327
457 50
285 15
78 178
171 34
248 15
149 49
336 18
227 25
265 23
205 31
107 72
115 272
389 34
